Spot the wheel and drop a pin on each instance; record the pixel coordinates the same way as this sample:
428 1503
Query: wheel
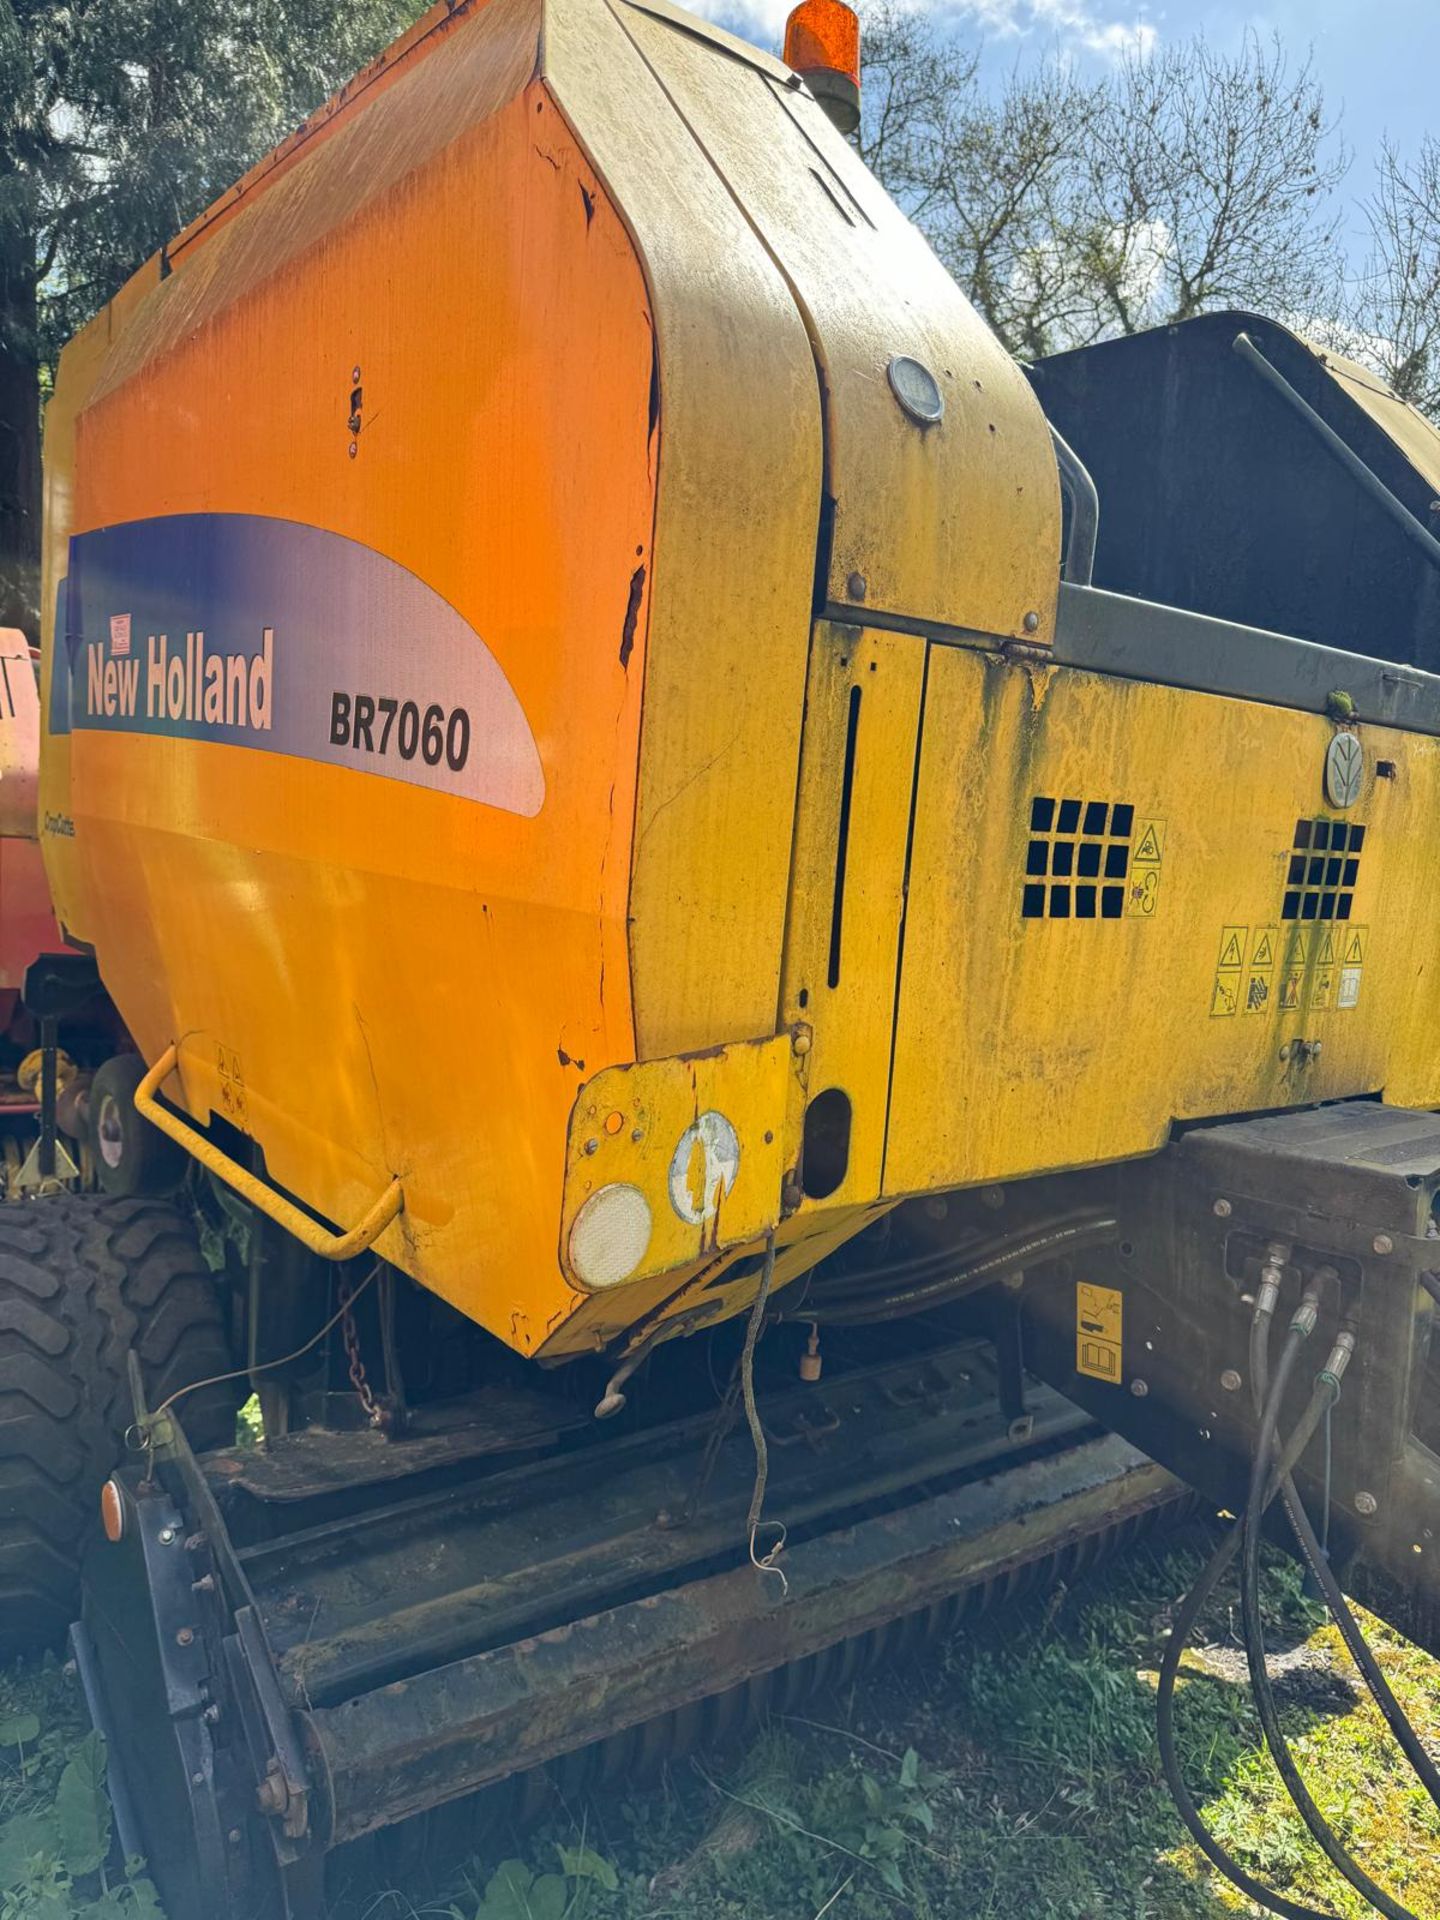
131 1156
83 1278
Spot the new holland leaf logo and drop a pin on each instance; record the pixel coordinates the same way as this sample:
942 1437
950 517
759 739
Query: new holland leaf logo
1344 770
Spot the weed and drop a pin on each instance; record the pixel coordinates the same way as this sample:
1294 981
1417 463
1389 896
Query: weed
55 1842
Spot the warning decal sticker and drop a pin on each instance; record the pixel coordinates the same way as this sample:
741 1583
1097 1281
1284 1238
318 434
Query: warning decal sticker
1352 944
1143 895
1225 995
1311 969
1260 979
1099 1323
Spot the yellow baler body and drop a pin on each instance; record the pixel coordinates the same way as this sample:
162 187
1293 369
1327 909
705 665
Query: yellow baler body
580 317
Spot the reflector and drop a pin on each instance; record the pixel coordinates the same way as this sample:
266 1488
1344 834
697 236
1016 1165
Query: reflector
112 1511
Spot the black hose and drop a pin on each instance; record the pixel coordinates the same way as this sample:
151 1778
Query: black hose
1010 1256
1330 1844
1183 1627
1319 1564
1356 1643
968 1247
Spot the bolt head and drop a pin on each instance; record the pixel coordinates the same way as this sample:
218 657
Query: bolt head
1366 1503
801 1043
857 586
1031 622
165 1536
1230 1380
1139 1388
592 1146
1222 1209
185 1637
1382 1243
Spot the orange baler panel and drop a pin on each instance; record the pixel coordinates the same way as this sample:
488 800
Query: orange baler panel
411 983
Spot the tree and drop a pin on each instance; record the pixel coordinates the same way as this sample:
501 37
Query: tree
1209 182
119 121
1395 320
984 177
1072 209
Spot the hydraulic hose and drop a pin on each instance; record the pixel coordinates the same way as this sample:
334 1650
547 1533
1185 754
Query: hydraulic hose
1184 1625
1269 1477
1356 1643
1009 1256
1330 1844
1314 1554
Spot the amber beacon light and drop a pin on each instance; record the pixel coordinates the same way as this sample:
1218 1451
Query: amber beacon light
822 45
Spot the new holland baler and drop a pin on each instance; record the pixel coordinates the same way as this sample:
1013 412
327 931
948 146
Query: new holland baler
721 1028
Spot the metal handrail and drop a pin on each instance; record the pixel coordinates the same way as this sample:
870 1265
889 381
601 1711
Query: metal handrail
329 1246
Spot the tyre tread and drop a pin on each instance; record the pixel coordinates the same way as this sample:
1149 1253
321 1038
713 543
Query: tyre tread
83 1278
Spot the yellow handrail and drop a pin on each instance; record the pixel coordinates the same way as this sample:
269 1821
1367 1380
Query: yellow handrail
329 1246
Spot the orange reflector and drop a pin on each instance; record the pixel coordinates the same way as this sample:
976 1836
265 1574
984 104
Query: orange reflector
112 1511
822 44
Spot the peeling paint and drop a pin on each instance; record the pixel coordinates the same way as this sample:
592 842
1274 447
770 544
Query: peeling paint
632 614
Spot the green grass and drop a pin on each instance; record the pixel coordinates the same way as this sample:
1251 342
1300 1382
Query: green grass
1009 1773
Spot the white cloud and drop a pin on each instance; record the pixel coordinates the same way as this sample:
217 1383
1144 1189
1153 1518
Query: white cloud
1081 25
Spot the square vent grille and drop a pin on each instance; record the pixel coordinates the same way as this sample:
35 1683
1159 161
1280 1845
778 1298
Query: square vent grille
1324 867
1078 859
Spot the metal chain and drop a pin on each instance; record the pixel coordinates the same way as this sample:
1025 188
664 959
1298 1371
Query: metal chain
349 1332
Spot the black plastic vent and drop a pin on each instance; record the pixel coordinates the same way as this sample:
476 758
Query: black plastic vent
1078 859
1324 867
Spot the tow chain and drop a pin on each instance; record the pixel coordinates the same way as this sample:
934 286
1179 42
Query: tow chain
364 1393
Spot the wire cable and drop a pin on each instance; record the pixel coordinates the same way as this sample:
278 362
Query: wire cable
765 1563
240 1373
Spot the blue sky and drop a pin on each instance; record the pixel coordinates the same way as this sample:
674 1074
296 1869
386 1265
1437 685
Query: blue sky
1378 62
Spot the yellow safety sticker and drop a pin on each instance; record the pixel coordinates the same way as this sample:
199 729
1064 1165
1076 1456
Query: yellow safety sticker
1351 945
1232 947
1225 994
1099 1323
1259 994
1145 865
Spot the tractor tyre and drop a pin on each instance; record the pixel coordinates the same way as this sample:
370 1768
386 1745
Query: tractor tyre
83 1279
131 1156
